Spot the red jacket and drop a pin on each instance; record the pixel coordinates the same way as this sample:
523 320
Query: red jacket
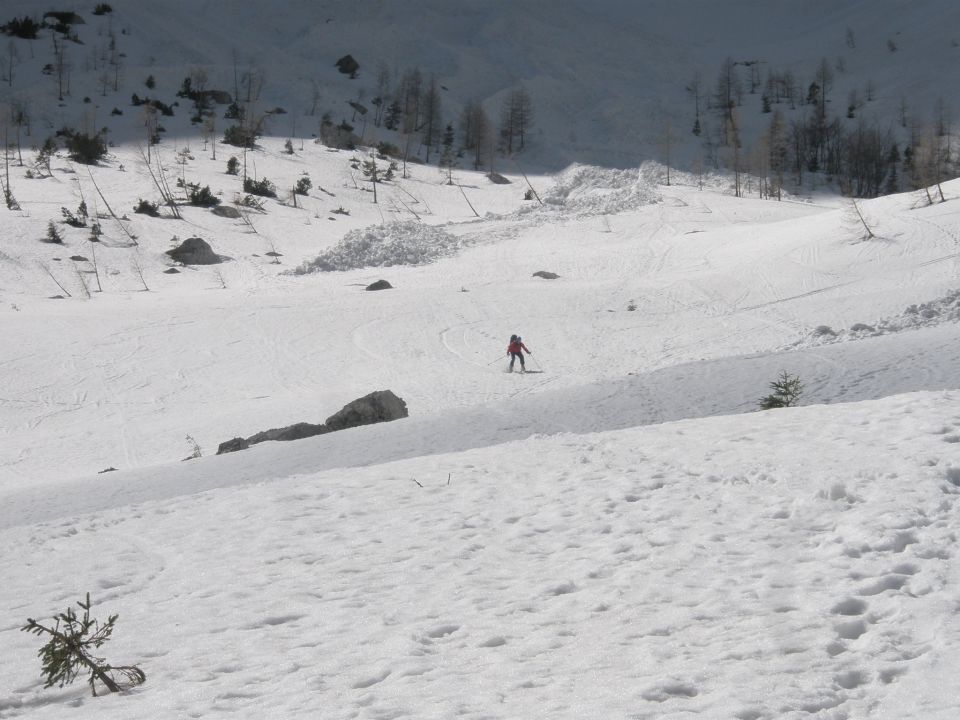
514 347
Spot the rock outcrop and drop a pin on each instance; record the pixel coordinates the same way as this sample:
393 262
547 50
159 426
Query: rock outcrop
378 406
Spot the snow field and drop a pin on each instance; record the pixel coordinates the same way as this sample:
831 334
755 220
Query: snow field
704 566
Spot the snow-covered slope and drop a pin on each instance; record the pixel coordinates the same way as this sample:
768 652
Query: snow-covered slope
779 565
615 534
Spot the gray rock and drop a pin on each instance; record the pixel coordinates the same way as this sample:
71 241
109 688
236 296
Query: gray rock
226 211
237 443
823 330
290 432
378 406
546 275
379 285
347 65
194 251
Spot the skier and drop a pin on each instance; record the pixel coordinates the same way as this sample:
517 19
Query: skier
514 350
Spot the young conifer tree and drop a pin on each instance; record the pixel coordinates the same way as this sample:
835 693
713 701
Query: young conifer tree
69 651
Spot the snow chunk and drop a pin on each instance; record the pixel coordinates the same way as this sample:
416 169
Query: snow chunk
585 190
937 311
396 243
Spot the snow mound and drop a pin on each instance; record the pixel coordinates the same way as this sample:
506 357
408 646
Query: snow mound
585 190
396 243
934 312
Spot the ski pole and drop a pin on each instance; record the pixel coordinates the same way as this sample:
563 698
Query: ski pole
539 367
493 361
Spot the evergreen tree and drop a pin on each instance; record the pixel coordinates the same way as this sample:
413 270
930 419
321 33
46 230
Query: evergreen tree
448 160
69 651
787 390
394 113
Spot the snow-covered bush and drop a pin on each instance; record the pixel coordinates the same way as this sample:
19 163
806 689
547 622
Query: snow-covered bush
397 243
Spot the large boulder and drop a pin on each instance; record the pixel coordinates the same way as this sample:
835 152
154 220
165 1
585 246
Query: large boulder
195 251
348 66
379 285
378 406
226 211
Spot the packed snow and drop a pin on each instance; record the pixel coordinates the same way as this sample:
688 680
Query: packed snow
618 533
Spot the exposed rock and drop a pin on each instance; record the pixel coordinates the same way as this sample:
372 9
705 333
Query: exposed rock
347 65
378 406
220 97
379 285
194 251
823 330
546 275
237 443
498 179
226 211
171 271
291 432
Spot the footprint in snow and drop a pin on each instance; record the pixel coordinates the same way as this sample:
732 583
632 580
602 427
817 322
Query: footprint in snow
366 682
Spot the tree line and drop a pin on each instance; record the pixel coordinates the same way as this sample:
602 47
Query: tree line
866 156
411 104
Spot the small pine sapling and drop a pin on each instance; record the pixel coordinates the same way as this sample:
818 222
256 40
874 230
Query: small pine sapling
201 196
78 221
303 185
787 390
233 166
69 651
53 235
145 207
262 187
